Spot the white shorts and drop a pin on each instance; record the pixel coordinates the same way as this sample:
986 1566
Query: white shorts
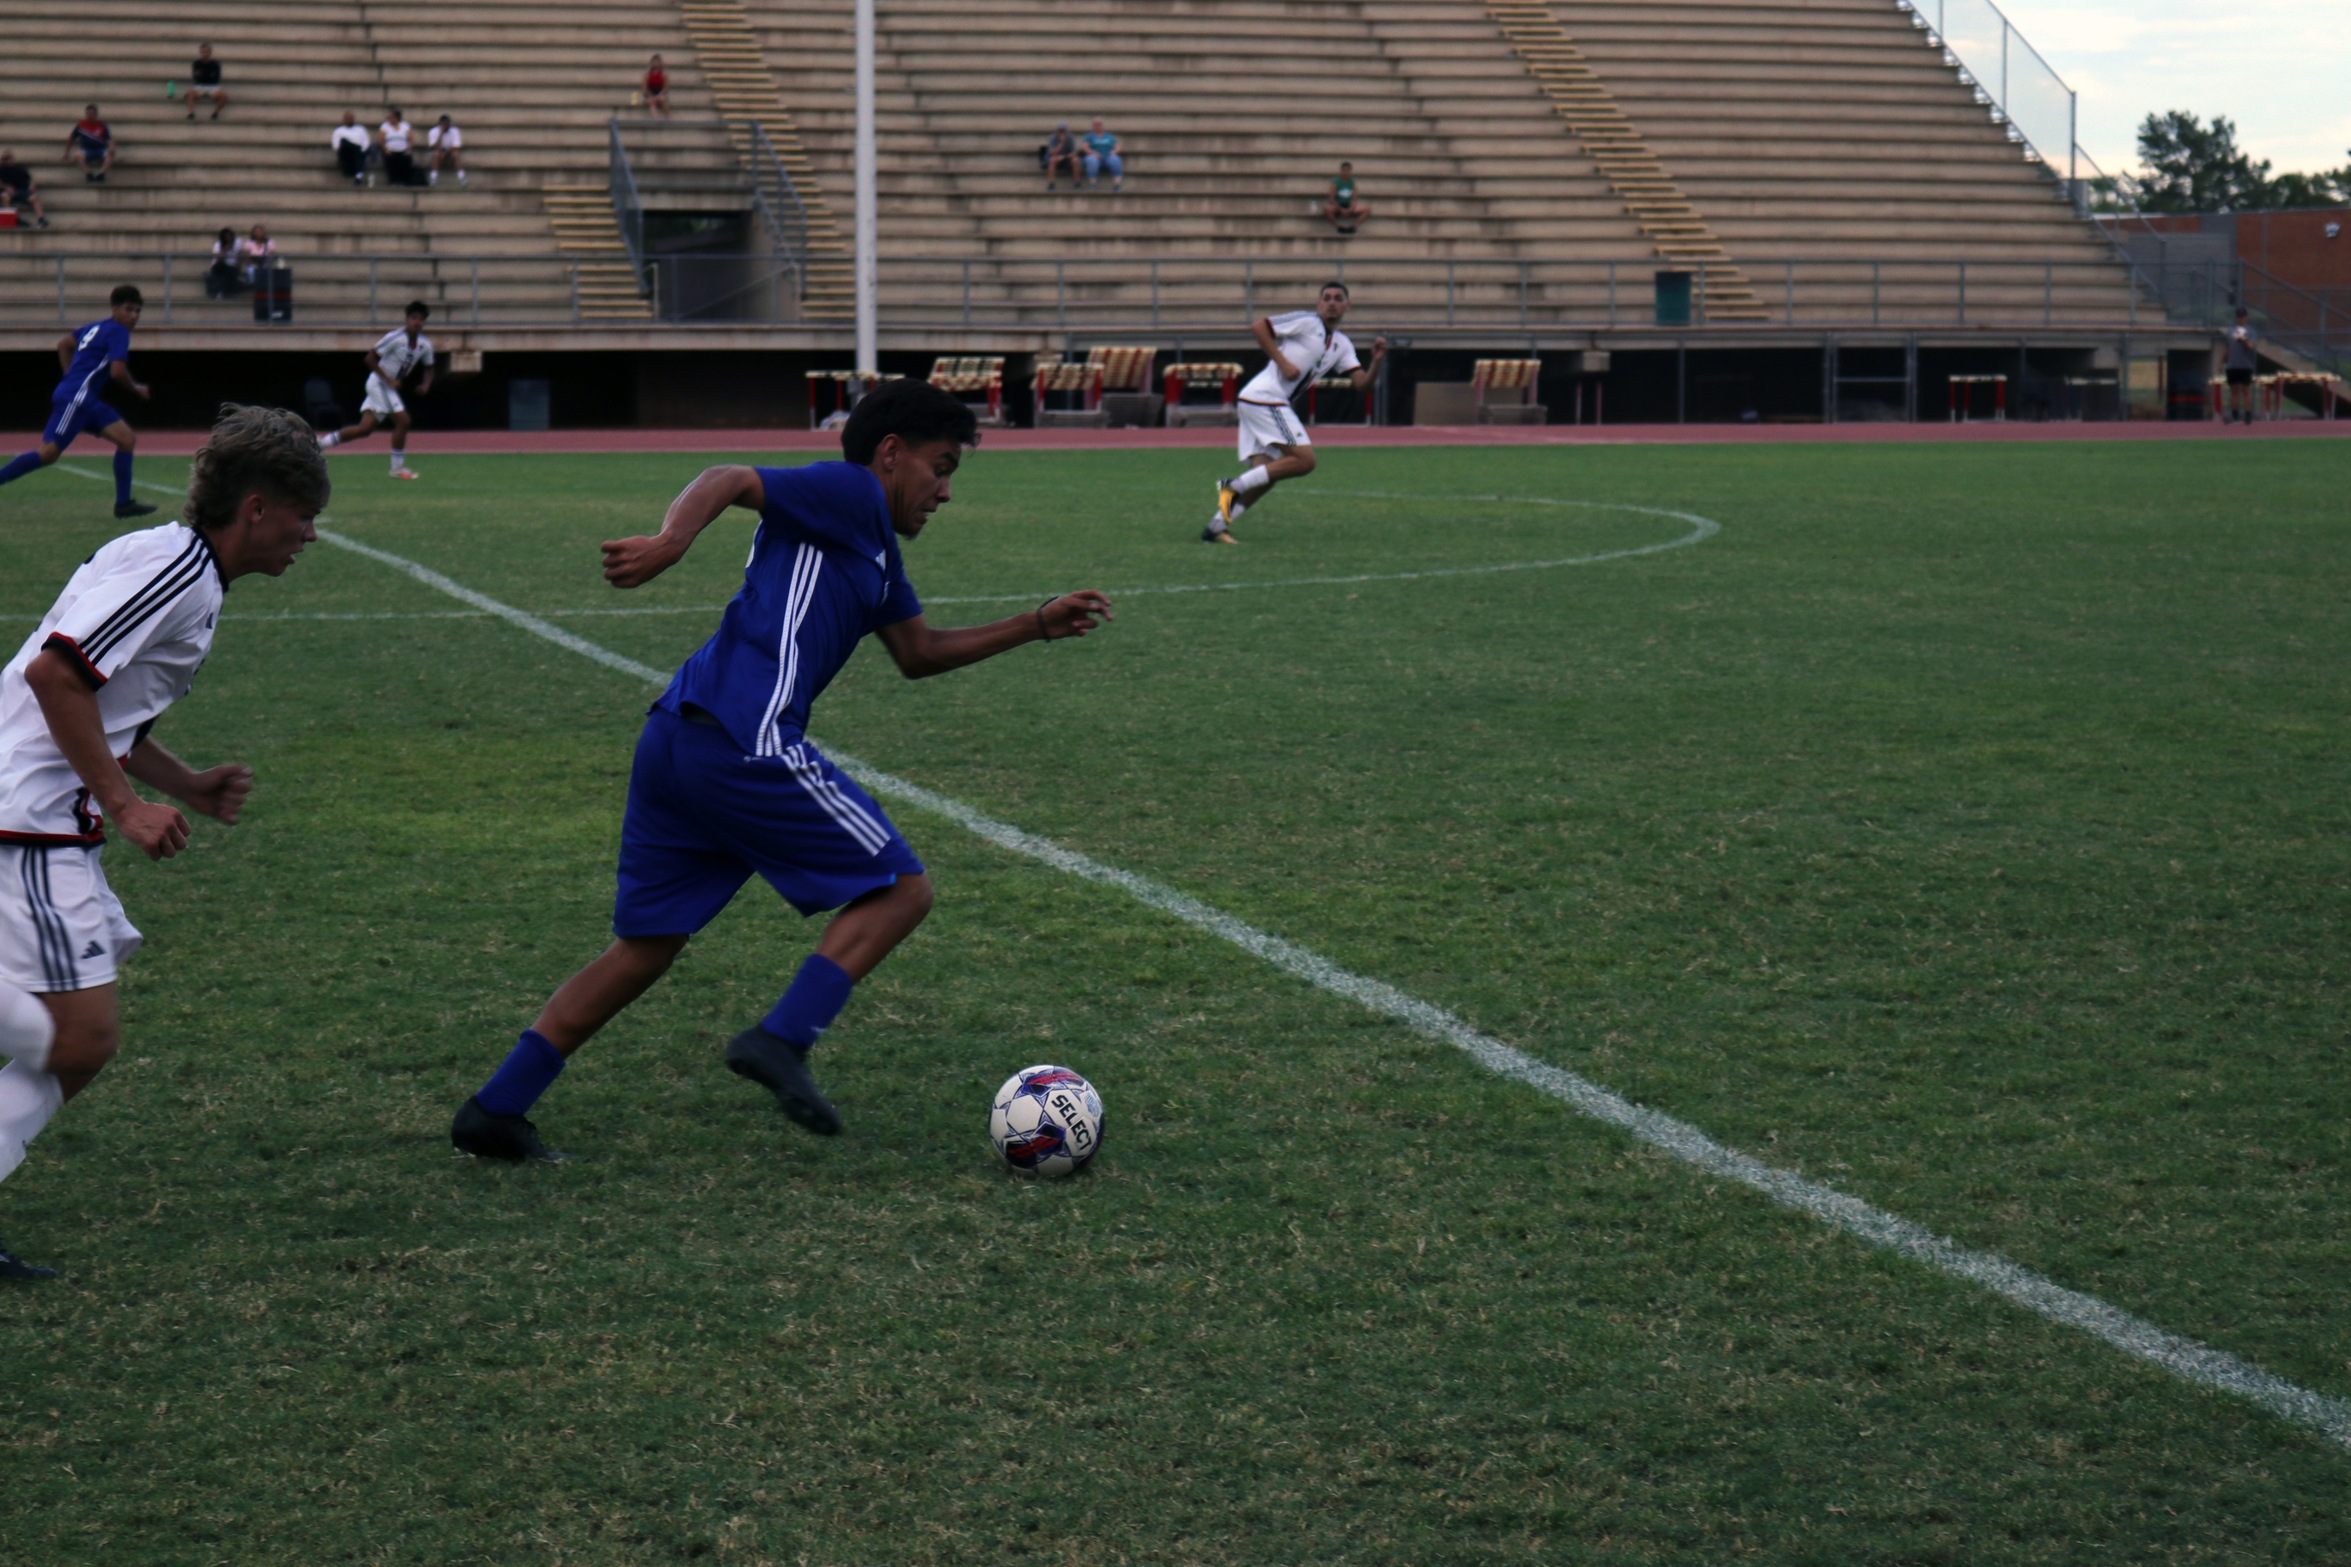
61 927
383 399
1266 426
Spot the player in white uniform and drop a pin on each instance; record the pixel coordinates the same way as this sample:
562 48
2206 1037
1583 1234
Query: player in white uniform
400 353
77 704
1300 349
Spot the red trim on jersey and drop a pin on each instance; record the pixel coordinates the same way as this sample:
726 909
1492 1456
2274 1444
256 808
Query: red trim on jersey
88 671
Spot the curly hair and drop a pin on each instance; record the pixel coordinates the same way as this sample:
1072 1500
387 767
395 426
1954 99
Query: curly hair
914 411
265 450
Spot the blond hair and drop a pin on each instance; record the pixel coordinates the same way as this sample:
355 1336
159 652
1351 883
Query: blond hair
265 450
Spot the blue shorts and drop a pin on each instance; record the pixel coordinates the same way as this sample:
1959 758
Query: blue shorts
71 416
702 817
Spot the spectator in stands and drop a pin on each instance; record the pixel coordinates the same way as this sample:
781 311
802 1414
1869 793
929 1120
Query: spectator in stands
2242 362
398 139
1102 153
351 146
448 148
7 206
1341 206
23 189
204 82
223 278
1061 150
656 89
91 144
257 254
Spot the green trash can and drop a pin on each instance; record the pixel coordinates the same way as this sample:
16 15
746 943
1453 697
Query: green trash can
1673 299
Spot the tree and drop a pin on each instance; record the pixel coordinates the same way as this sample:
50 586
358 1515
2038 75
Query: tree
2192 167
2188 166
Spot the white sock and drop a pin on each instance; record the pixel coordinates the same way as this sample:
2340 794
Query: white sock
399 461
27 1100
1239 506
26 1028
331 438
1255 479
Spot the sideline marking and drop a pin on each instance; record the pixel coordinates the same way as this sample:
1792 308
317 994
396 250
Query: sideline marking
2184 1358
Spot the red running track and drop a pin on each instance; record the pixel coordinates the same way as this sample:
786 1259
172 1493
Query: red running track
428 443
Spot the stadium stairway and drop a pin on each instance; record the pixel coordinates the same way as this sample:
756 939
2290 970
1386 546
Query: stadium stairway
745 90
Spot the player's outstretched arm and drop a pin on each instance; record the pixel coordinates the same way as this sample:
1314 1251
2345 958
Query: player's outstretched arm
69 705
65 354
922 649
631 563
217 792
1369 373
122 373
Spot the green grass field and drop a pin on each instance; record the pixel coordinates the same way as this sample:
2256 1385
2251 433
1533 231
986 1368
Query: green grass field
1963 827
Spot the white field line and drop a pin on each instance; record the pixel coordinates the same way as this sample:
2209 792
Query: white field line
2182 1357
1701 529
2143 1340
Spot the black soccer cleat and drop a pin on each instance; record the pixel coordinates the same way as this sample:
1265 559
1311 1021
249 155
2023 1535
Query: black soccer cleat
782 1070
476 1131
133 509
1212 534
15 1267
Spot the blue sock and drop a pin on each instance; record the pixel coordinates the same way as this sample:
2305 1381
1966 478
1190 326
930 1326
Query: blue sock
122 476
525 1074
819 991
23 464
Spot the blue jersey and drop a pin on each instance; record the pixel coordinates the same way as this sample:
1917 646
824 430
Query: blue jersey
97 348
824 571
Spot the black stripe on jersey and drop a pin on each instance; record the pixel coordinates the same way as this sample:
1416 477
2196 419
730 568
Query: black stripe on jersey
151 600
130 603
91 674
158 596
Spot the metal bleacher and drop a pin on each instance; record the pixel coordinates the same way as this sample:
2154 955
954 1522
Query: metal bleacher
1816 163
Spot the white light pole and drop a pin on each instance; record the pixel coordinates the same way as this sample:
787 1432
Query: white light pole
864 262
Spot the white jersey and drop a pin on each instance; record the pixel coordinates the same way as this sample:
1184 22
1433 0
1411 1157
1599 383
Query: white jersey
396 356
445 136
396 135
1314 349
136 623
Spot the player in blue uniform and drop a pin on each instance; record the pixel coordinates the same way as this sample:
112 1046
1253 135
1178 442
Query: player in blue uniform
726 784
94 359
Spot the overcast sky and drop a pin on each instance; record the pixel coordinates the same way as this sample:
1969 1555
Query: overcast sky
2281 69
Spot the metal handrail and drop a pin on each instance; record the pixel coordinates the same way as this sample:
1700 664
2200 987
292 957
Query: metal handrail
1995 79
776 198
626 208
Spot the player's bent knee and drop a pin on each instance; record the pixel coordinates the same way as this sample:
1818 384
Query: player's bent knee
81 1050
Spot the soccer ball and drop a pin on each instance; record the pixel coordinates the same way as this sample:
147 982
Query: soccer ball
1046 1122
